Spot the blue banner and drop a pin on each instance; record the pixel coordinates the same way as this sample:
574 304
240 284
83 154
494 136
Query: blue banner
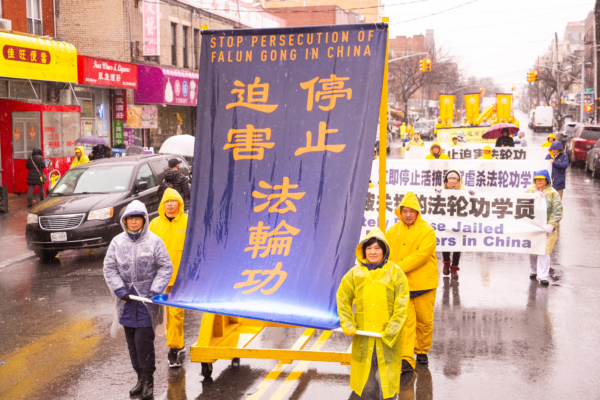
284 143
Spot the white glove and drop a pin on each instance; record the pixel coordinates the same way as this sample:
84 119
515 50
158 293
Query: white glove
549 229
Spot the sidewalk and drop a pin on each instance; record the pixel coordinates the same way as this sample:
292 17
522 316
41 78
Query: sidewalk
13 247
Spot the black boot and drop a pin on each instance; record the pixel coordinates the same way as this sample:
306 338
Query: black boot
422 359
137 389
148 387
406 367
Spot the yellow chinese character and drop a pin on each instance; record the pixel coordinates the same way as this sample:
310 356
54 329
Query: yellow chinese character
261 239
22 55
283 197
252 281
33 56
321 146
257 92
249 143
44 58
11 52
332 89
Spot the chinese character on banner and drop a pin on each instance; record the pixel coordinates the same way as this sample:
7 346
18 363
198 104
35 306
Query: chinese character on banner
261 284
321 146
332 89
282 197
249 143
119 104
151 27
257 92
276 242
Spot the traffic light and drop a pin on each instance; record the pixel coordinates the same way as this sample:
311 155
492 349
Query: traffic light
587 107
422 65
530 76
482 91
534 75
427 64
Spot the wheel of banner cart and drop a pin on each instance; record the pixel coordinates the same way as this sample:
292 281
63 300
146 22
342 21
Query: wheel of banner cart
207 369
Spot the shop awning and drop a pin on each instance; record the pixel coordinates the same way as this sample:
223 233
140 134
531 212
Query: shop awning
29 57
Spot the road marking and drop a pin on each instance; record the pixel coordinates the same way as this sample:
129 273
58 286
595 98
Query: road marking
17 259
297 372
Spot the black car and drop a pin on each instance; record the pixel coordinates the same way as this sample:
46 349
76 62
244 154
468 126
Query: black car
85 207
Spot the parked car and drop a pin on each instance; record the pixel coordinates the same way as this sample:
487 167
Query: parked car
568 130
592 163
583 138
543 119
85 207
389 140
531 117
426 127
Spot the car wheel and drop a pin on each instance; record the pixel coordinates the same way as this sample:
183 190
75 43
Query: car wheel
46 255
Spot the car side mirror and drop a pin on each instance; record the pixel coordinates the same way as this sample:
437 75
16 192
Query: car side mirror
141 186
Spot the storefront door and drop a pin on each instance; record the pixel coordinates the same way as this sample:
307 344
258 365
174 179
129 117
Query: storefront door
26 134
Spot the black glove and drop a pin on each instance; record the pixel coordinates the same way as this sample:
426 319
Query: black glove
126 297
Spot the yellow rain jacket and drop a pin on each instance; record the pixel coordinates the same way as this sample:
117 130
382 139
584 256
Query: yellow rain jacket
380 298
487 156
410 129
461 186
452 144
439 125
403 130
548 143
419 142
81 160
413 248
442 155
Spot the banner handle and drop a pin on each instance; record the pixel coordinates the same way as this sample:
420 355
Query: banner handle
383 111
142 299
361 333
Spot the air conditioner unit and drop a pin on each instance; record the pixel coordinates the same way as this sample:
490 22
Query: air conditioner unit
6 24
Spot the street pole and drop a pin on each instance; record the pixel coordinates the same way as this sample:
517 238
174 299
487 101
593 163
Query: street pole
582 85
383 112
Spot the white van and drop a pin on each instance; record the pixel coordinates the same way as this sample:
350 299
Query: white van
543 118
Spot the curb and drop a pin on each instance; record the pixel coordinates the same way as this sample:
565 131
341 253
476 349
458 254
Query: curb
17 260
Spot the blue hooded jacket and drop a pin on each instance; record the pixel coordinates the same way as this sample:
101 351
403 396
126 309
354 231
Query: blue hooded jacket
559 166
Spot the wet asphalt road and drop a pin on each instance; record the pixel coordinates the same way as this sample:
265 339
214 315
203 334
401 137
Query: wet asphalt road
497 335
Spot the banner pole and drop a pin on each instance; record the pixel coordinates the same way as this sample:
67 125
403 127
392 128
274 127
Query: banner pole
383 111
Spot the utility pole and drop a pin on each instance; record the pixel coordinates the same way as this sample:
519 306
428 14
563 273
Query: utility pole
596 41
558 93
537 83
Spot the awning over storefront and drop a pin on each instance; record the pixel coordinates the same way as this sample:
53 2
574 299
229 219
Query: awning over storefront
28 57
166 86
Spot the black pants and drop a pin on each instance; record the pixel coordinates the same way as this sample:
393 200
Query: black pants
372 389
30 192
140 342
455 257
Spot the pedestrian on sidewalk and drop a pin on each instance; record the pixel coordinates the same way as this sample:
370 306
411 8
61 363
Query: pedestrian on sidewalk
452 181
540 265
137 263
412 248
378 290
80 157
175 179
560 163
170 226
35 177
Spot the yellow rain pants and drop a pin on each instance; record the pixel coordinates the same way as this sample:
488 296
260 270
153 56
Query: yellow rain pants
175 326
417 335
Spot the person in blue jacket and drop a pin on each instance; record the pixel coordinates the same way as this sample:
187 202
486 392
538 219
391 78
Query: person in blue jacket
560 163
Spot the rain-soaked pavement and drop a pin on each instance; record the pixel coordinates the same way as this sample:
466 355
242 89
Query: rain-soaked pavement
497 334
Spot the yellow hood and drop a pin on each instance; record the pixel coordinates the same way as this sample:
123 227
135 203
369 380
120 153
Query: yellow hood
550 136
434 144
170 194
81 149
487 156
409 200
461 187
377 233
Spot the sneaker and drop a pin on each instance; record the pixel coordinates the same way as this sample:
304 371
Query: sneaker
544 283
173 357
406 367
532 276
422 359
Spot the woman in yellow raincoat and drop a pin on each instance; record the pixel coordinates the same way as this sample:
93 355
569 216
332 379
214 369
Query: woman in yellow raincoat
487 154
436 153
80 157
415 141
379 291
551 138
455 142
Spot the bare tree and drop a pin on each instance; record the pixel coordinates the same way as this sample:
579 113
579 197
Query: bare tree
553 81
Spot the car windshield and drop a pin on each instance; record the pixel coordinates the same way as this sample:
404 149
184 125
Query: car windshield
590 134
105 179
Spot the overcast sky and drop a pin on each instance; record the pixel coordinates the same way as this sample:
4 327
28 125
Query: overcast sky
500 39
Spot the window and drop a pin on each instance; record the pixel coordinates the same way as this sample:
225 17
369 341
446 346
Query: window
196 47
590 134
173 44
145 175
34 17
94 179
185 47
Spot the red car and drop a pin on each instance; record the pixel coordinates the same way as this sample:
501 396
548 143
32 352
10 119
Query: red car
581 141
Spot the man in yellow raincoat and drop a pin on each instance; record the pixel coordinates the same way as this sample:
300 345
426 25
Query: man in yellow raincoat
551 138
378 289
487 154
80 157
412 248
416 141
436 153
440 124
403 131
170 226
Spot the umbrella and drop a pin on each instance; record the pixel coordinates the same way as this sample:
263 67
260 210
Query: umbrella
495 131
91 140
182 145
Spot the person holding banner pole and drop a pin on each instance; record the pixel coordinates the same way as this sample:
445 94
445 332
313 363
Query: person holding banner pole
455 142
540 265
416 141
436 153
452 181
378 290
412 242
560 163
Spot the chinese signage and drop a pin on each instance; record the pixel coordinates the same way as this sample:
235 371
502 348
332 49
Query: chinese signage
239 11
284 146
149 117
472 134
166 86
473 151
504 106
151 27
99 72
34 58
508 223
446 106
120 105
118 132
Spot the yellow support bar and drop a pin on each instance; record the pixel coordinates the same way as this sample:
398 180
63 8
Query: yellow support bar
383 111
228 353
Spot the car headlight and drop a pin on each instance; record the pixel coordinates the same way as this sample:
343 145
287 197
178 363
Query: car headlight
103 213
32 218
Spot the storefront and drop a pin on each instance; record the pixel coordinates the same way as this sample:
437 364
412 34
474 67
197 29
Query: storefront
40 73
176 94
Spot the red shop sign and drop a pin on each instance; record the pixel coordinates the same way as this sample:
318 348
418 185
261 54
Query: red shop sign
99 72
120 105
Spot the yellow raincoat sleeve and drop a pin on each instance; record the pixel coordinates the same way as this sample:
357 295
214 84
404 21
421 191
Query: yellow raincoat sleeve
345 299
420 257
393 330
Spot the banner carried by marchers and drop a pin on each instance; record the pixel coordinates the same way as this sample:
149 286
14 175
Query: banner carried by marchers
284 145
482 176
508 222
473 134
472 151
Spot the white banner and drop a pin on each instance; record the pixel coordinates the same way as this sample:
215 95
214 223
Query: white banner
473 151
510 222
482 176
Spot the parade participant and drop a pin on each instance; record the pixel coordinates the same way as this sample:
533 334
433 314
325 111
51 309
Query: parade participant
461 138
80 157
375 155
410 129
521 139
403 130
540 265
452 181
465 123
551 138
412 248
455 142
137 263
170 226
440 124
505 140
416 141
378 290
560 163
436 153
485 122
487 154
35 176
